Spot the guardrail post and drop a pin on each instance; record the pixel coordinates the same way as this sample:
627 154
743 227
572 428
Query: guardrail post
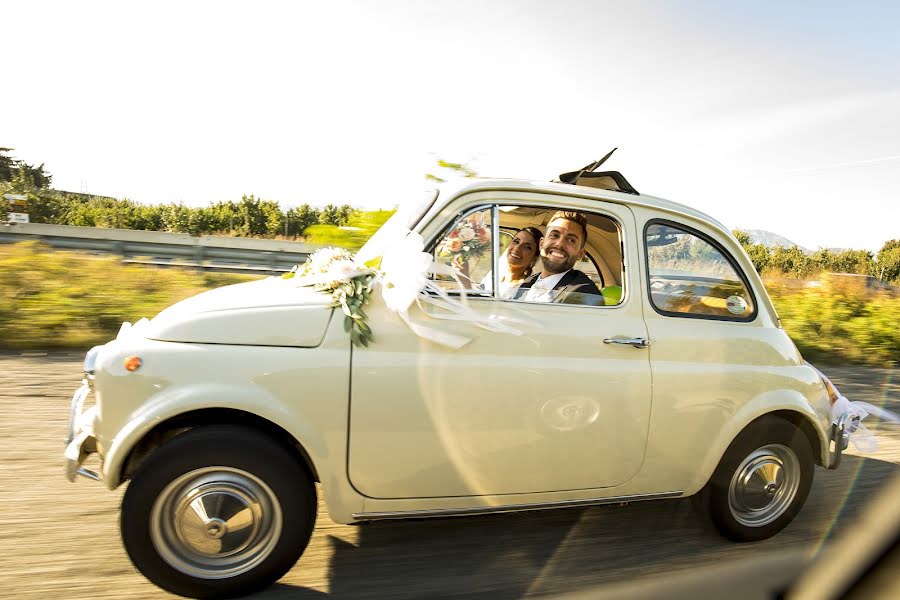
199 257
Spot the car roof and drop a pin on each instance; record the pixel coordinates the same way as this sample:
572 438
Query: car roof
454 188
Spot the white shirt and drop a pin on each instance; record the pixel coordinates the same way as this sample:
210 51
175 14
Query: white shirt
542 289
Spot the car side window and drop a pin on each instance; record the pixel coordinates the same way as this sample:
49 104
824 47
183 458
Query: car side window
595 279
467 248
689 276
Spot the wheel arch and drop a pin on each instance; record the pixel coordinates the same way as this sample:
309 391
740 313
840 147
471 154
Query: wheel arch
178 424
795 415
796 418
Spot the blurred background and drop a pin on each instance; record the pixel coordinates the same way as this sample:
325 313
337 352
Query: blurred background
150 151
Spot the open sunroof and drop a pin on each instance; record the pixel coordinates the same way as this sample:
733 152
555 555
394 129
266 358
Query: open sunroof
604 180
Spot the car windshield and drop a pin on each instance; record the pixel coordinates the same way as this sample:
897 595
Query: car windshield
397 226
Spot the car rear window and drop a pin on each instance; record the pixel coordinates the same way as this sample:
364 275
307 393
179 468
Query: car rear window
691 276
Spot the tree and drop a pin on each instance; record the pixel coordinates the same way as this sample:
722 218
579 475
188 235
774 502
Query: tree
758 253
301 217
853 261
7 165
176 218
887 263
274 218
331 215
23 177
791 261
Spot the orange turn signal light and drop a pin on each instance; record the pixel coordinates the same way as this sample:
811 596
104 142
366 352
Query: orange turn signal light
133 363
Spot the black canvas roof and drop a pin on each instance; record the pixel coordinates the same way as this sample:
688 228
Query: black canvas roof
604 180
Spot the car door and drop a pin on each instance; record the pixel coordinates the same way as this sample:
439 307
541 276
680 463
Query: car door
554 408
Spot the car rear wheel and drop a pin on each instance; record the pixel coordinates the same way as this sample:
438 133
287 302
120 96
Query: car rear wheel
761 482
217 512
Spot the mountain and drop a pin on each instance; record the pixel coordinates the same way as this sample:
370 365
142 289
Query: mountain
770 240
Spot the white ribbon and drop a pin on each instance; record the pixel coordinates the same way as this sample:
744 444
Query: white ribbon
863 439
404 279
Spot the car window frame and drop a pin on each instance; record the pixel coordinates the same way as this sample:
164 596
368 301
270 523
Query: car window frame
494 207
548 206
717 246
431 248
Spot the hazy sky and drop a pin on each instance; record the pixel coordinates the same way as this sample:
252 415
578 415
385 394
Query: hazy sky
773 115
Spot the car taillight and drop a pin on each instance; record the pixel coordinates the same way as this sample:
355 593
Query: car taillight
833 393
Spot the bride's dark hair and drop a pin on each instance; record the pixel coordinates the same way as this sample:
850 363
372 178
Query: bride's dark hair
538 236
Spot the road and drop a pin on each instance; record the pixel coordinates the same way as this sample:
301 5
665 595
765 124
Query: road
61 540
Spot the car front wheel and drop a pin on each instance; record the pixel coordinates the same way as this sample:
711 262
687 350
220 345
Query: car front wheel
761 482
217 512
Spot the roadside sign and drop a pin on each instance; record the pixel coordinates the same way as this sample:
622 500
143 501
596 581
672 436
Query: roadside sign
17 207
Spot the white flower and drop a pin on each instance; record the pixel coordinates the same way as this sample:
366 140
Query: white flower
343 270
320 261
466 234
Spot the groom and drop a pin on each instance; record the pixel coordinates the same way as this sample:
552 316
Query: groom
561 248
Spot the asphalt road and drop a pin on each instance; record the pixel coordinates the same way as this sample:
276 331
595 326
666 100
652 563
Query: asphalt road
61 540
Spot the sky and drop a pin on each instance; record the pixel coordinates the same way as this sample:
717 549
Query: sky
766 115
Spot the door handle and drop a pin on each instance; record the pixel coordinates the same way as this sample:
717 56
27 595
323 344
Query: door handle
636 342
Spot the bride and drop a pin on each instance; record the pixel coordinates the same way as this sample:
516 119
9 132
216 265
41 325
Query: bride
518 262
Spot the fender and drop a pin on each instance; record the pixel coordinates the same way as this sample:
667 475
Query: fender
177 400
770 402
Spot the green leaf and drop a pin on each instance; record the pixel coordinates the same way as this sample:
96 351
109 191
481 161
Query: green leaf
348 324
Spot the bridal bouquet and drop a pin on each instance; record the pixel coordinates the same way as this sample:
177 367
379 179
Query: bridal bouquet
469 239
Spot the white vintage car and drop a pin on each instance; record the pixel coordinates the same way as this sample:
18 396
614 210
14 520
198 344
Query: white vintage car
463 397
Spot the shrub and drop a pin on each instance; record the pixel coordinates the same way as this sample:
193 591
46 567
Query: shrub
835 323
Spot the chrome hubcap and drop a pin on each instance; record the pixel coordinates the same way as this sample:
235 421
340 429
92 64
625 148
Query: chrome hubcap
764 485
215 522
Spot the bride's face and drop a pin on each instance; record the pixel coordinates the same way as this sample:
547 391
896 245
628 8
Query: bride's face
523 251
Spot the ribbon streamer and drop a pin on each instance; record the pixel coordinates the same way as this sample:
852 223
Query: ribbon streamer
404 280
861 438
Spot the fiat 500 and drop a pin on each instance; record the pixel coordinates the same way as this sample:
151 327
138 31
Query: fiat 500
416 380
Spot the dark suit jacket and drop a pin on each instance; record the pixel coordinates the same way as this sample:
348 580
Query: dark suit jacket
574 288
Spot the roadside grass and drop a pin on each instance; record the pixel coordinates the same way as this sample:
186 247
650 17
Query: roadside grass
68 299
839 324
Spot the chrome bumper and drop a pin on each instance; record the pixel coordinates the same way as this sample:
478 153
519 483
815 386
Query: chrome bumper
80 440
841 429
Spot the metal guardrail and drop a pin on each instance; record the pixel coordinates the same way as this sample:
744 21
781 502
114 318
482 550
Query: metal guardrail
209 253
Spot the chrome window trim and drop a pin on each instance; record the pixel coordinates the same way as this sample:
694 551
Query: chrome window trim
484 510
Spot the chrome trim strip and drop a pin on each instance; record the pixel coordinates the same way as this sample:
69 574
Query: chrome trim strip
484 510
92 475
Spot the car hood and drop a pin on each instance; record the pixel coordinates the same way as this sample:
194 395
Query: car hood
269 312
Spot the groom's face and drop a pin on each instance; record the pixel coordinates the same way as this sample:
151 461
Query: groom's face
562 246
